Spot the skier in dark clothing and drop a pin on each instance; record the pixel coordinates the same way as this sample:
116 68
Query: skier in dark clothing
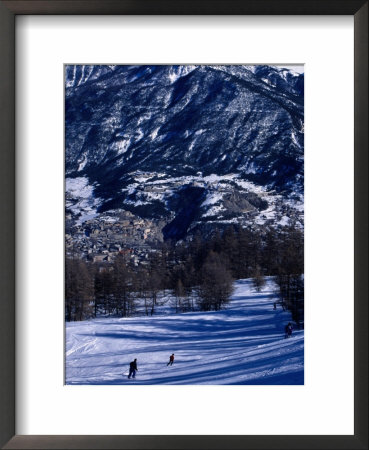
171 360
132 369
288 330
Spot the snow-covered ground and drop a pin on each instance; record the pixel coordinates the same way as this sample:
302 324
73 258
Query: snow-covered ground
243 344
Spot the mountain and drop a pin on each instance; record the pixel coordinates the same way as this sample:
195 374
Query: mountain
187 143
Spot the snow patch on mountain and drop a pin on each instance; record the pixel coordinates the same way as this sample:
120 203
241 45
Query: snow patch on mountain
212 198
154 134
285 221
82 163
80 199
79 187
121 146
214 210
294 139
70 82
177 72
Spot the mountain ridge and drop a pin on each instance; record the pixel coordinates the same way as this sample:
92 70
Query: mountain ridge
187 122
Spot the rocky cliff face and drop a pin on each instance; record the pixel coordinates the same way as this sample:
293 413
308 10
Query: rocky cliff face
184 143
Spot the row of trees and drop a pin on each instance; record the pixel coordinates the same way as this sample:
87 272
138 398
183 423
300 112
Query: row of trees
199 274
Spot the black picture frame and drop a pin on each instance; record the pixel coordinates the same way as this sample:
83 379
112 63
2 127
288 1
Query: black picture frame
8 11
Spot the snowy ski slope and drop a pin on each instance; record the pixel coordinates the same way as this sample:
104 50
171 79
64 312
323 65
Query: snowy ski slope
243 344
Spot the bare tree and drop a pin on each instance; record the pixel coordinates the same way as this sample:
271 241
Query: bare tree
79 290
258 278
216 284
181 301
122 285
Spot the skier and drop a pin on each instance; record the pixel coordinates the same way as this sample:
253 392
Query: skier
171 360
286 331
132 369
274 305
290 328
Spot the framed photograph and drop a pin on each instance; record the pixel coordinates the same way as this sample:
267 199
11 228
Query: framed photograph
184 224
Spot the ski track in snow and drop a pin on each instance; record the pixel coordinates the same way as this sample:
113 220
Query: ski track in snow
243 344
